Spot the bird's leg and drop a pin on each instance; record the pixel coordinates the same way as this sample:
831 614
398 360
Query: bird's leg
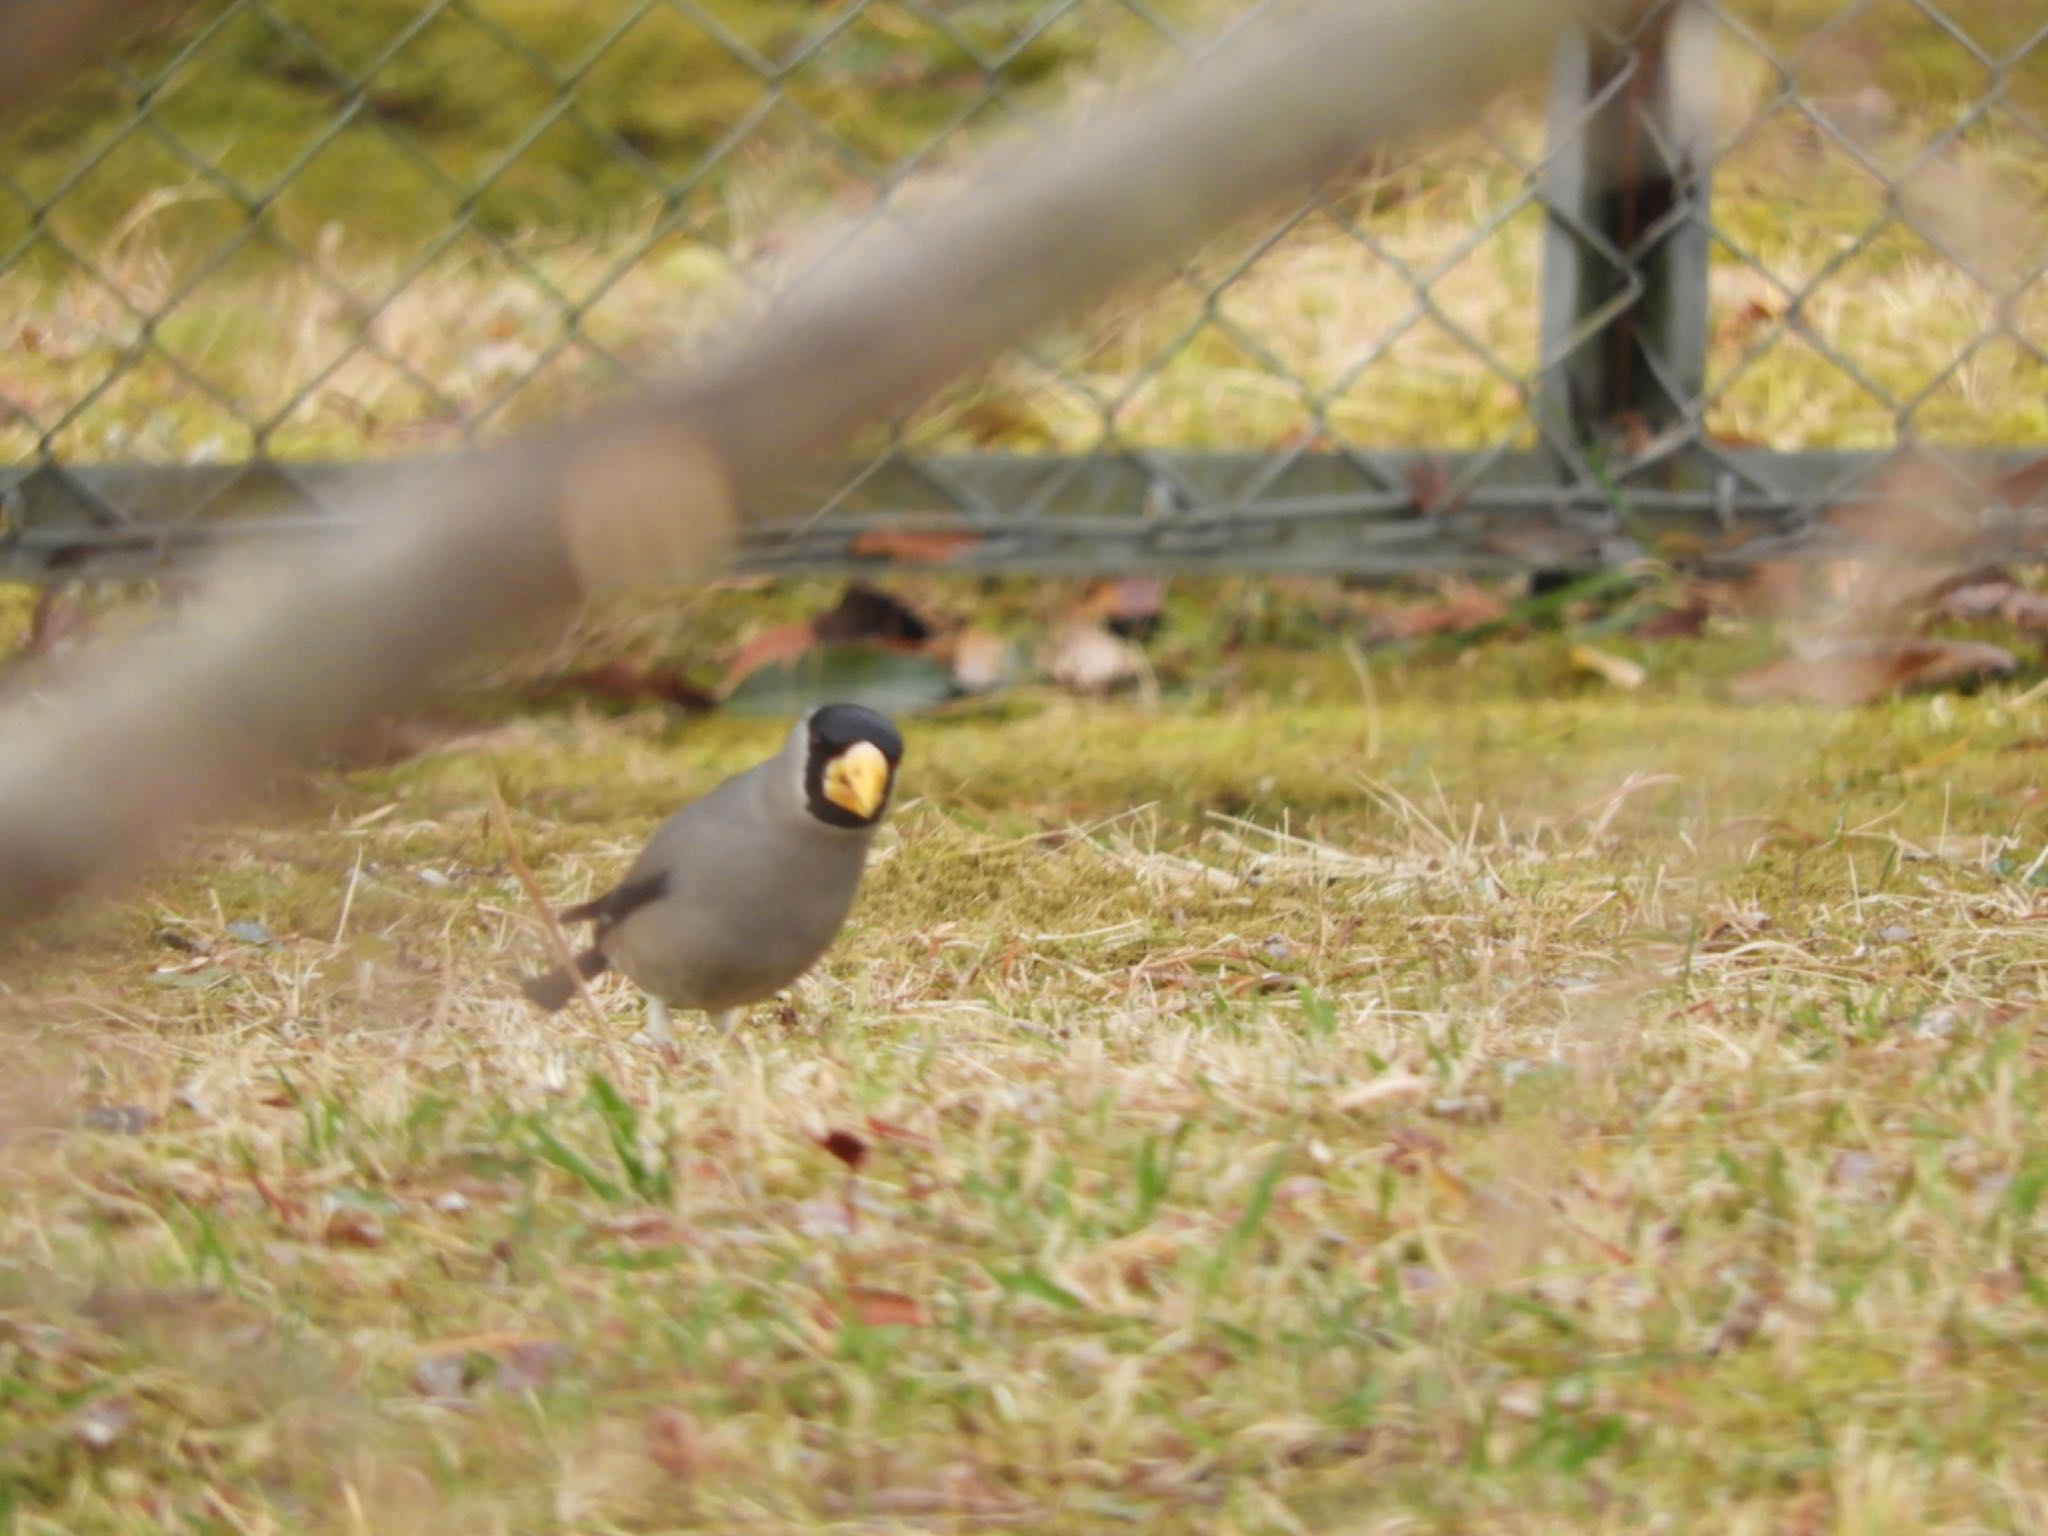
724 1021
657 1031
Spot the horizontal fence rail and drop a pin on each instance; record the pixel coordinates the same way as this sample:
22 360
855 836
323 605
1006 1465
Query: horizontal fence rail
1707 296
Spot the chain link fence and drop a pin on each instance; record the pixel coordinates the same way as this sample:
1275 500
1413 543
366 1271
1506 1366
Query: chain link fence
1698 295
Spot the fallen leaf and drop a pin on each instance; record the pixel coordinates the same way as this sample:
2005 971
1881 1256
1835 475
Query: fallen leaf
1740 1323
1127 605
845 1146
1774 588
868 613
1462 607
825 1218
1732 928
912 546
1618 670
527 1365
779 643
651 1229
980 661
675 1443
1775 829
884 1309
510 1362
352 1227
1860 672
1086 658
1381 1093
886 1130
1409 1148
1680 623
102 1423
1992 595
1466 1109
1429 487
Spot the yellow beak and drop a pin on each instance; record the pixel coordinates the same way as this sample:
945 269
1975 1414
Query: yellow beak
858 779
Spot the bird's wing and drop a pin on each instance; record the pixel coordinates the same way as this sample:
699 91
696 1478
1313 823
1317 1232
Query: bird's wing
620 902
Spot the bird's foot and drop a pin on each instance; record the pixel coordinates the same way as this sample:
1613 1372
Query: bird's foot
658 1033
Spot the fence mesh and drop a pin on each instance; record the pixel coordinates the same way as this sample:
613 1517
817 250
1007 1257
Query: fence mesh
1698 290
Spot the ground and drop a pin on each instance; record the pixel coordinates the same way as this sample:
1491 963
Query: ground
1335 1091
213 283
1333 1088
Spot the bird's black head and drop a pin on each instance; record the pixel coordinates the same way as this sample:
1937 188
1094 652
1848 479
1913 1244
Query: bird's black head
850 758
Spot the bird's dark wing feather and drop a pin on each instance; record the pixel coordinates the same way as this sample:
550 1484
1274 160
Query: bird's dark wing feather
620 902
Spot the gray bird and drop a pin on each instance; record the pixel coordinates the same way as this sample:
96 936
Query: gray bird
739 893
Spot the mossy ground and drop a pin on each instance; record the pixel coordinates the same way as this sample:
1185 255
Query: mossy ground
1453 1097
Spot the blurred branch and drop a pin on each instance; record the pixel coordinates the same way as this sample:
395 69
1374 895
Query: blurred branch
293 649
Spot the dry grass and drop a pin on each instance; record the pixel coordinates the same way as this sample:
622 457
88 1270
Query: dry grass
1493 1104
477 343
1924 275
1480 1101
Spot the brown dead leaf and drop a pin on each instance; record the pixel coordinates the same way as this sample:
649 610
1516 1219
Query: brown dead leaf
351 1227
913 546
1860 672
868 613
1741 1321
1992 595
1086 658
1681 623
1728 929
1128 605
1429 487
884 1309
651 1229
511 1362
1465 1109
887 1130
980 661
1409 1148
1775 829
863 614
526 1366
1774 588
1462 607
782 642
845 1146
675 1443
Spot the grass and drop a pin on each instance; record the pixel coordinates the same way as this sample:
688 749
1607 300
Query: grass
1451 1095
1483 1101
330 324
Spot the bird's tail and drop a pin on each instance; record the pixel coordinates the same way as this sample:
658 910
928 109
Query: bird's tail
553 989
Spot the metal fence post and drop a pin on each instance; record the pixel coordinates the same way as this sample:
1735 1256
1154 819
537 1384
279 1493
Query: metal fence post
1626 247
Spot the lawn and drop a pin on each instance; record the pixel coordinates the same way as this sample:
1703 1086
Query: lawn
1329 1087
1333 1090
562 207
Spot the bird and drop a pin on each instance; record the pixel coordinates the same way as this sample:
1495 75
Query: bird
740 892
